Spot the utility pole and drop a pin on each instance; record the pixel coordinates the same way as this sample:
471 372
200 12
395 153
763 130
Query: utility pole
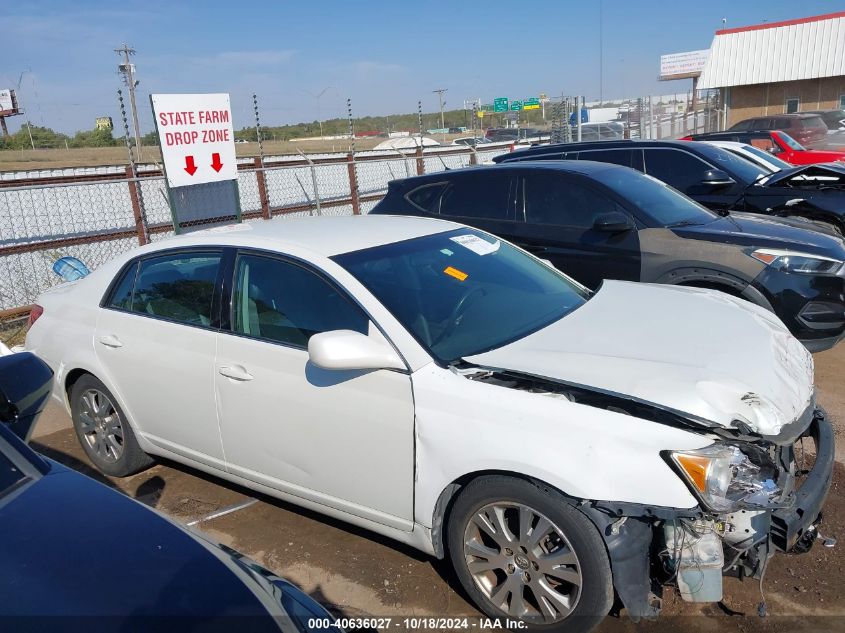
440 92
127 69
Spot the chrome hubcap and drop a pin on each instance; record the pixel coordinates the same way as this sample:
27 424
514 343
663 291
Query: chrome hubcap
100 425
522 562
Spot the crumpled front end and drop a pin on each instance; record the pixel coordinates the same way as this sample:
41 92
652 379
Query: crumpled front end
773 507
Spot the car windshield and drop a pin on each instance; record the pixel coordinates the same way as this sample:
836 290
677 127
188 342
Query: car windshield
790 142
464 292
740 168
665 205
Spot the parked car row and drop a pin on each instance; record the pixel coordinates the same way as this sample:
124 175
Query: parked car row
598 221
806 128
718 179
295 347
777 143
564 434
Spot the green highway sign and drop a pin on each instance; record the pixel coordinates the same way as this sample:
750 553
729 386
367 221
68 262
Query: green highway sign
488 107
516 105
532 103
500 104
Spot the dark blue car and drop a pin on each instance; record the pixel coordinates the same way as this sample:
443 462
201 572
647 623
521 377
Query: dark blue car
78 556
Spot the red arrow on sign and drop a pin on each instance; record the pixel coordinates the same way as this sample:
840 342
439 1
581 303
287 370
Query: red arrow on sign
216 165
189 165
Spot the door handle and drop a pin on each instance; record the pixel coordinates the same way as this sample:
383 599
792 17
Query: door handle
110 340
236 372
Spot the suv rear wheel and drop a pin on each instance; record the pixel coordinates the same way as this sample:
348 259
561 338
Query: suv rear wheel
523 553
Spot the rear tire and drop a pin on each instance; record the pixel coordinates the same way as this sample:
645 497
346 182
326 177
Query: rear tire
102 430
522 552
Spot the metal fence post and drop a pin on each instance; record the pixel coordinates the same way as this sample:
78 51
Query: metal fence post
314 180
353 184
132 174
262 187
136 206
420 162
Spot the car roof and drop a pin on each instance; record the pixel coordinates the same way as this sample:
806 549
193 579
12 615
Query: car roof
582 167
590 145
325 235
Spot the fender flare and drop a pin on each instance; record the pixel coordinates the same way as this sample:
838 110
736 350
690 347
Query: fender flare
709 277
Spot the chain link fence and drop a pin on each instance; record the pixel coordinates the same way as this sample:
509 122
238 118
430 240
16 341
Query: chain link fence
97 215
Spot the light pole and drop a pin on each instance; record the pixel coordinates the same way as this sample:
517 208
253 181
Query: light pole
440 92
317 99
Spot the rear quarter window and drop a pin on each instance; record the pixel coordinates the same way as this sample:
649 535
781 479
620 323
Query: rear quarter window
427 197
121 294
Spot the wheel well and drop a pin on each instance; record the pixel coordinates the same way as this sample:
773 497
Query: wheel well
445 501
72 377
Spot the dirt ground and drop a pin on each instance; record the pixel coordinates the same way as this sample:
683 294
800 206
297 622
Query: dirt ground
358 573
14 160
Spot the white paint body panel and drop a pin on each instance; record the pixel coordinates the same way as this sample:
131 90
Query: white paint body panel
377 448
658 343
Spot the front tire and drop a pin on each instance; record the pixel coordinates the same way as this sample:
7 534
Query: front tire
522 552
103 431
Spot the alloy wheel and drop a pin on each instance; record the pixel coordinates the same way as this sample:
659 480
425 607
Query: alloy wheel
522 562
100 425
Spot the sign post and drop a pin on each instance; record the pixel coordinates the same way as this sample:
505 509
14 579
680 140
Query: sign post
198 151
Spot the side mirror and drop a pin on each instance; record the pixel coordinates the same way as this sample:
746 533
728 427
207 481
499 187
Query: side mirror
25 384
345 349
716 178
612 222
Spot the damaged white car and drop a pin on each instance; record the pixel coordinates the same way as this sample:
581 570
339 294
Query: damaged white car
566 449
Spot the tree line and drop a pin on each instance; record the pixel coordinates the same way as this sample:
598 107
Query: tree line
47 138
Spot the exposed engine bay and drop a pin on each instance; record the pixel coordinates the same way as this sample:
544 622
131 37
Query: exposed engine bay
767 498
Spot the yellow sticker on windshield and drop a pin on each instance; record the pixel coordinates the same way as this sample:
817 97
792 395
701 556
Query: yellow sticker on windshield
454 272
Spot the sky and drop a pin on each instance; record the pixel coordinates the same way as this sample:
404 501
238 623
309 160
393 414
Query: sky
304 59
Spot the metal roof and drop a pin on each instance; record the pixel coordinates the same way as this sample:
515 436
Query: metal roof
808 48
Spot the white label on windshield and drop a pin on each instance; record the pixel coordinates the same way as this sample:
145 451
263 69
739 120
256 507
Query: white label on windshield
476 244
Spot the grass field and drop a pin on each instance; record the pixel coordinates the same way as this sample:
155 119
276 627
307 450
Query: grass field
15 160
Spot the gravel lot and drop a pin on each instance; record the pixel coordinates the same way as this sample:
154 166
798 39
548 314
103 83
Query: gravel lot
358 573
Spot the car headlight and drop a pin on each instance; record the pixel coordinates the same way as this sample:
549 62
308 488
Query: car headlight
792 262
724 478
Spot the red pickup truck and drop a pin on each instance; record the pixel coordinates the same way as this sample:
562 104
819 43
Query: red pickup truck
776 142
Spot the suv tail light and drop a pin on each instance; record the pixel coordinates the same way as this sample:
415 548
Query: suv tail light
34 313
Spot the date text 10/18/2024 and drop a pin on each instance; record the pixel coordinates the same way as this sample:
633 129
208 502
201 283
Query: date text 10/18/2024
416 623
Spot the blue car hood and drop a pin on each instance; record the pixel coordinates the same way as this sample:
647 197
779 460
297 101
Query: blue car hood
70 546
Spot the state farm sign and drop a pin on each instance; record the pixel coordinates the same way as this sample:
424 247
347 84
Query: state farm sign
196 138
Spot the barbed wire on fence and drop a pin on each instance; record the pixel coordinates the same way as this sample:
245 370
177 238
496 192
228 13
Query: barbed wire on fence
97 214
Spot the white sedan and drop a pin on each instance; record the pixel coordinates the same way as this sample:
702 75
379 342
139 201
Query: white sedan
437 385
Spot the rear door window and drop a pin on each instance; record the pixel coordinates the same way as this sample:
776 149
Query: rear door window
558 199
677 168
481 196
177 287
